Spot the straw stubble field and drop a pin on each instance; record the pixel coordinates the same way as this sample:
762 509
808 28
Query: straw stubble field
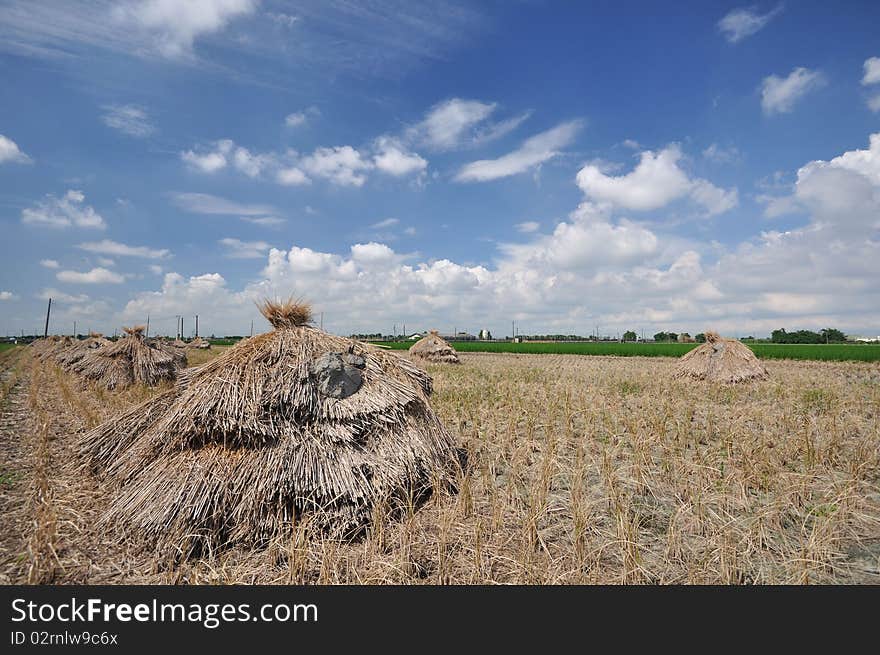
581 470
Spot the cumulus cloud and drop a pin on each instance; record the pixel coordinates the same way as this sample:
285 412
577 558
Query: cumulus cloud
533 152
341 165
11 153
656 181
238 249
68 211
780 94
292 176
7 295
95 276
872 71
743 22
128 119
108 247
223 153
392 157
49 263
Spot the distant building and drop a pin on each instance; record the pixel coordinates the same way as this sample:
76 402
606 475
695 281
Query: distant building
684 337
866 339
485 335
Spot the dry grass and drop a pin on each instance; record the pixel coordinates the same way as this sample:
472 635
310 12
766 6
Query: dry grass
583 470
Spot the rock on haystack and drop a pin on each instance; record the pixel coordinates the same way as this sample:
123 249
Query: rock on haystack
295 424
432 348
69 357
721 360
198 342
131 360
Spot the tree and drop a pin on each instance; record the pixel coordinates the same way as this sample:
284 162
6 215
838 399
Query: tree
672 336
661 336
831 335
700 338
629 335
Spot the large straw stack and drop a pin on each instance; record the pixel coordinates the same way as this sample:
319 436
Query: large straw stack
198 342
721 360
432 348
131 360
290 425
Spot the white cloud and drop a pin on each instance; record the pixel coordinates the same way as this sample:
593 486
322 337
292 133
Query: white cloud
393 158
741 23
267 221
49 263
108 247
872 71
7 295
299 118
533 152
285 20
60 296
128 119
779 95
69 210
656 181
175 26
207 162
528 227
410 231
238 249
156 269
874 103
292 176
95 276
248 163
388 222
341 165
105 261
447 123
204 203
10 152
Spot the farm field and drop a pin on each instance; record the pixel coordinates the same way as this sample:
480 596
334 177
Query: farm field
818 352
581 470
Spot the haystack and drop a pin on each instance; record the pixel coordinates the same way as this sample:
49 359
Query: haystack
166 346
198 342
721 360
48 347
70 356
179 343
432 348
289 426
131 360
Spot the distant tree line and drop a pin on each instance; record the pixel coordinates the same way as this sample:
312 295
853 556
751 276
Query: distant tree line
828 335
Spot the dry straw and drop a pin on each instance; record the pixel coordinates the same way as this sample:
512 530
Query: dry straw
721 360
198 342
69 357
131 360
432 348
248 445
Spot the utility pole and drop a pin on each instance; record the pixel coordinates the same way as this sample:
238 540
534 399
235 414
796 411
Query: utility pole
48 311
148 325
74 329
322 320
252 327
197 326
177 327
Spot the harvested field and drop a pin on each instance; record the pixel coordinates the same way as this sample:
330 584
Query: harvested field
583 470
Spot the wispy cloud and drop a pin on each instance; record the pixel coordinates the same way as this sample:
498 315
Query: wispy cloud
744 22
780 94
238 249
534 151
388 222
204 203
108 247
128 119
95 276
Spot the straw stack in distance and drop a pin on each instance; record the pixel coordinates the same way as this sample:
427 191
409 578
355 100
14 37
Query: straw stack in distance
131 360
289 426
721 360
432 348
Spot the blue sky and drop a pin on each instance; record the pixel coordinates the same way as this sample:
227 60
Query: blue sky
442 164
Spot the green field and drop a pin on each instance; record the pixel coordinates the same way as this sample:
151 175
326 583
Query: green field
6 346
830 352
